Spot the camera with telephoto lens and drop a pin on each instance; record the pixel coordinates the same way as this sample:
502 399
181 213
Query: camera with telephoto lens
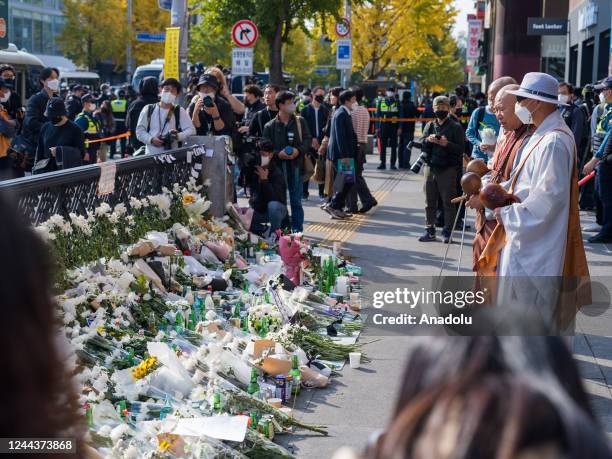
168 138
423 157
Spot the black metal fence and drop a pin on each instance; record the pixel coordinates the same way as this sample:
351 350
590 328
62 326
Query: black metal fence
76 190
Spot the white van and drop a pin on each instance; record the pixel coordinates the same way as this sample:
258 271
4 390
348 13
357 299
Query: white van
154 69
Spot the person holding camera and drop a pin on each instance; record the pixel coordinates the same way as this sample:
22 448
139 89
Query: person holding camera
443 145
210 113
268 191
291 139
163 125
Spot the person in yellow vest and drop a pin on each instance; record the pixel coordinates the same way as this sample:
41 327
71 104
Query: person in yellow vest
387 130
91 128
119 106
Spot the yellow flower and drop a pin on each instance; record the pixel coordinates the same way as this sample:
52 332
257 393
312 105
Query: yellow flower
101 329
188 199
164 445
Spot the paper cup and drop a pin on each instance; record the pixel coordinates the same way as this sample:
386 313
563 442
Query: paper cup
275 402
354 359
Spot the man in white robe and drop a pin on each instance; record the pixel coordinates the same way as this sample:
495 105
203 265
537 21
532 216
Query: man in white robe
536 228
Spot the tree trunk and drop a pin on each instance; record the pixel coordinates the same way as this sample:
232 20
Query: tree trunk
276 55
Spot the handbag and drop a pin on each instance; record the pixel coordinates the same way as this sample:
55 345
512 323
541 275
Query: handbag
319 172
347 170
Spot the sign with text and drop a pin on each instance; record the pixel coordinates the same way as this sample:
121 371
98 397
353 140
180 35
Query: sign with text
171 52
344 59
151 37
474 30
242 61
4 24
587 16
546 26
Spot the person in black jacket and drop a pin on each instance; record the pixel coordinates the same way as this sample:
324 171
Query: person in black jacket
74 106
443 142
149 95
210 113
263 117
342 148
268 192
13 106
62 143
291 142
37 105
316 115
406 129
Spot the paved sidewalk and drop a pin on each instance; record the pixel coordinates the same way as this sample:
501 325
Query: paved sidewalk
359 402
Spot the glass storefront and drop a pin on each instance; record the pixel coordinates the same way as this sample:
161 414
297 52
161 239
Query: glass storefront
36 31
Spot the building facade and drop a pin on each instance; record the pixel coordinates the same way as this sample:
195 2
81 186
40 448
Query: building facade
589 49
35 24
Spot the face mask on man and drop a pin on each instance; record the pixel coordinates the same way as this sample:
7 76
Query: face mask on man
91 107
290 109
319 99
167 97
441 114
53 85
563 98
265 160
56 120
523 114
602 98
5 97
390 94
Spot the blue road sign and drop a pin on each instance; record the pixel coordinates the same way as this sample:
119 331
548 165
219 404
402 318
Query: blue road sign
165 4
322 71
147 36
344 52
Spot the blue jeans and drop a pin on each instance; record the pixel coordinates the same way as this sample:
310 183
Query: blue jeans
276 213
295 186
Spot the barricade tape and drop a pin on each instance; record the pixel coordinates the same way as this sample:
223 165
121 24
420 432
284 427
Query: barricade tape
395 120
105 139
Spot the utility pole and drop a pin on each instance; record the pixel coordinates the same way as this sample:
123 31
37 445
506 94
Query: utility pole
128 55
178 15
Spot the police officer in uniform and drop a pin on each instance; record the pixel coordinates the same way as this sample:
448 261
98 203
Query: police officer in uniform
387 130
91 128
73 102
119 107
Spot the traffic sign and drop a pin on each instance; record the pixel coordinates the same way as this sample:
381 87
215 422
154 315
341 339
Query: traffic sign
244 33
343 28
343 54
165 4
242 61
154 37
322 71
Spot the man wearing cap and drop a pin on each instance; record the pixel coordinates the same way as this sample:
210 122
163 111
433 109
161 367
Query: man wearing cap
602 161
61 144
164 125
91 128
386 109
74 105
539 235
119 107
210 113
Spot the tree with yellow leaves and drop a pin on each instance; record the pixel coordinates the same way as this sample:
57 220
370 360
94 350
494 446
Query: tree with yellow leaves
147 16
400 33
87 38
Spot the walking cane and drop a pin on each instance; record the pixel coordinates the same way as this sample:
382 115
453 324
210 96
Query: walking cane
450 239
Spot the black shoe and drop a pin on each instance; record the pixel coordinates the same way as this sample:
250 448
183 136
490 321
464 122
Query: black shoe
367 207
352 210
600 239
393 168
447 236
382 167
428 236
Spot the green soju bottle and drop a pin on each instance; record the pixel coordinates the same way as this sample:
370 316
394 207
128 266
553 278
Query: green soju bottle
296 374
253 388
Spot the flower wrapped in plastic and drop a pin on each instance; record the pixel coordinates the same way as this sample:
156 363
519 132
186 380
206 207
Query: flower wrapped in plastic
292 250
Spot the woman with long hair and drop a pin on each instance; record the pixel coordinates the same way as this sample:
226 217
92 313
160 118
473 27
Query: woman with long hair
37 395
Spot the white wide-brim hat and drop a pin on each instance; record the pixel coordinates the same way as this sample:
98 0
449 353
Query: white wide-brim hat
539 86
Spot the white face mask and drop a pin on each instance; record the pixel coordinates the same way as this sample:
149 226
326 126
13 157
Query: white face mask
602 98
167 97
204 94
53 85
354 106
390 94
563 98
290 109
265 160
5 97
523 114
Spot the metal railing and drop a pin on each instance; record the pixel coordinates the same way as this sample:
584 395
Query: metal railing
76 190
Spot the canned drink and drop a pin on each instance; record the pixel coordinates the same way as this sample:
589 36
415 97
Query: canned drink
267 427
281 387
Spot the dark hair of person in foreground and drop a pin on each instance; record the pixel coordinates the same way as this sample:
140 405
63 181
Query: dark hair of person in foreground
491 398
38 398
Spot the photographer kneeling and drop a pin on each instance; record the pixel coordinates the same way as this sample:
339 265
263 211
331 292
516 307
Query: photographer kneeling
268 191
164 125
443 144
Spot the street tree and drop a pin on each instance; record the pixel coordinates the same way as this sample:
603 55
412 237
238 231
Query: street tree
147 16
391 33
87 38
275 20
